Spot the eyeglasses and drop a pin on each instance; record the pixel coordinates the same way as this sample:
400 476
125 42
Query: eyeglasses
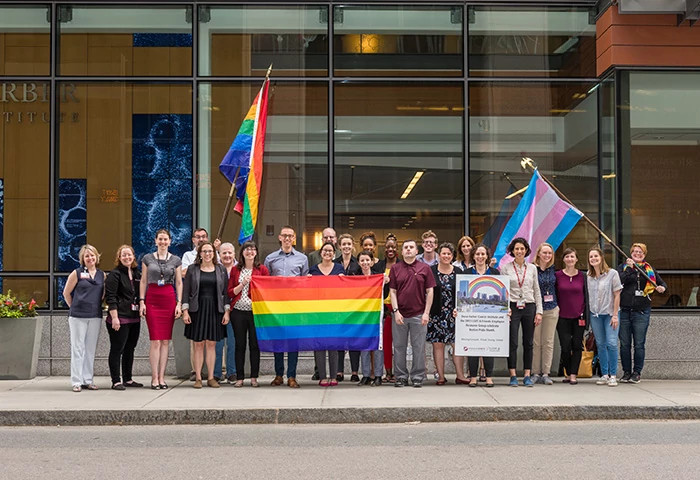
287 235
428 242
328 251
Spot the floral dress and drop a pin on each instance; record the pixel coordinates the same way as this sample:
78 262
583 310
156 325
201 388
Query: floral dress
441 328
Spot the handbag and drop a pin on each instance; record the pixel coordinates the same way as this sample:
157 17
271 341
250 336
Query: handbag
585 367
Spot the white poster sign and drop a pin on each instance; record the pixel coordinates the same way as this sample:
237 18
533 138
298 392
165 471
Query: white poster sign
482 323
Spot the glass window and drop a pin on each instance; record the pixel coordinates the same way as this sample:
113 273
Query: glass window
24 176
123 41
555 125
399 159
660 152
532 41
682 291
244 40
26 288
397 40
125 168
295 173
25 41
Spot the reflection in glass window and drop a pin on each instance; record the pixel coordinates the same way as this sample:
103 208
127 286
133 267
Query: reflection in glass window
399 160
123 41
683 290
556 126
660 156
397 40
125 169
245 40
295 173
532 41
25 40
27 288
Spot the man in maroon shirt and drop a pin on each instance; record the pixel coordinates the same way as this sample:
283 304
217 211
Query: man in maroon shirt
411 289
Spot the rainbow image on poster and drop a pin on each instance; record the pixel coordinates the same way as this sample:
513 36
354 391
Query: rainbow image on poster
482 293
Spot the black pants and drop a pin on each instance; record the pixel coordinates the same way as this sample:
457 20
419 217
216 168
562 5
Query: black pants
474 366
244 329
354 360
122 343
571 341
526 318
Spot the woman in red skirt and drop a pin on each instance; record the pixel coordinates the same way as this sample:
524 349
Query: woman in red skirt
160 303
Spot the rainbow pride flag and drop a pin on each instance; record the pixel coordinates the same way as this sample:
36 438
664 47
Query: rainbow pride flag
295 314
246 156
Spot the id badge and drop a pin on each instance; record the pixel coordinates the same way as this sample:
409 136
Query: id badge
581 322
639 293
161 282
84 275
520 304
134 307
548 298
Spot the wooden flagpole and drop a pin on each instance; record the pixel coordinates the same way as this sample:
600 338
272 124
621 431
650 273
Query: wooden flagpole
527 162
232 191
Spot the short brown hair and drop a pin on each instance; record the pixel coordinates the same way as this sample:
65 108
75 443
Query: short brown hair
429 234
460 255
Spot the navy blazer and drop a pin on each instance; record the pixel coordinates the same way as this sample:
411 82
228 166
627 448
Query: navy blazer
190 289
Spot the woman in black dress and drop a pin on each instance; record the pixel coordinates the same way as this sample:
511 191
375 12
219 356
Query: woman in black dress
206 309
441 328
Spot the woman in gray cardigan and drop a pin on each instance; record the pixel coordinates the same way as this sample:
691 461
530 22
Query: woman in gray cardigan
205 309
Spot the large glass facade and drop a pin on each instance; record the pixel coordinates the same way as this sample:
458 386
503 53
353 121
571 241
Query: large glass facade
394 118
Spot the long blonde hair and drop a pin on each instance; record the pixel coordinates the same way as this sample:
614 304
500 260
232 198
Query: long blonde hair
537 254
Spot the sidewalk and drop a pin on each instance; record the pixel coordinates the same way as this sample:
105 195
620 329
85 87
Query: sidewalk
50 401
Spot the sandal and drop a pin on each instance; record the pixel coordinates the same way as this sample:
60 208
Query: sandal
325 383
441 382
254 382
92 386
238 384
390 379
77 388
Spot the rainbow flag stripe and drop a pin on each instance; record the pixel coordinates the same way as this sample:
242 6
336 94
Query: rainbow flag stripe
246 156
295 314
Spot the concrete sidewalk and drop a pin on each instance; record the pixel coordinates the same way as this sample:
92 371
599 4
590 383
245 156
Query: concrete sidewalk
50 401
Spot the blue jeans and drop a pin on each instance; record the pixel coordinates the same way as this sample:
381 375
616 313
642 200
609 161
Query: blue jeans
633 328
606 340
292 359
230 353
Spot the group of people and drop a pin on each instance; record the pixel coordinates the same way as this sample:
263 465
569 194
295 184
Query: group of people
210 290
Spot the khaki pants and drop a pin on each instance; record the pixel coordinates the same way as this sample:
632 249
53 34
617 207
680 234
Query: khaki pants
544 342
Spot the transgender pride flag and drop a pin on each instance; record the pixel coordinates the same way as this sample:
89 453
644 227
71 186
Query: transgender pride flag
541 216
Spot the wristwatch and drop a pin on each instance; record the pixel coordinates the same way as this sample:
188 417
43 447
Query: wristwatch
395 310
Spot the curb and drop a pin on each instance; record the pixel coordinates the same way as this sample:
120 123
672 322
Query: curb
36 418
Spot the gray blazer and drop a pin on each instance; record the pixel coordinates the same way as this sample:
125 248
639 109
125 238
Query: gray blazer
190 289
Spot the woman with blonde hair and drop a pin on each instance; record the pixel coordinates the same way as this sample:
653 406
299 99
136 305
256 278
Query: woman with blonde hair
84 291
543 342
604 302
123 321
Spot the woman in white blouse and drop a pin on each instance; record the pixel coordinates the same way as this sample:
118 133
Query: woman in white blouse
525 307
604 302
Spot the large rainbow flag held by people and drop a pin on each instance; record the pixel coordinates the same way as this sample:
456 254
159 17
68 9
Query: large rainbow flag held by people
294 314
246 156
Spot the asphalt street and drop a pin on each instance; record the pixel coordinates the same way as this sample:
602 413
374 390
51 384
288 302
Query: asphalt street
494 450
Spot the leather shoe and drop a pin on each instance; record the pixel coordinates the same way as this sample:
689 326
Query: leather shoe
459 381
197 384
277 381
292 382
213 383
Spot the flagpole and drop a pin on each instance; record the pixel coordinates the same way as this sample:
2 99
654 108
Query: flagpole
528 162
232 191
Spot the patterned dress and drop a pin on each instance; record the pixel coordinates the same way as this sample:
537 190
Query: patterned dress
441 328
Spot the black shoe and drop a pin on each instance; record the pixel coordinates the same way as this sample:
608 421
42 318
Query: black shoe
377 381
340 377
354 378
315 376
133 384
635 378
163 386
118 386
364 381
401 382
155 387
626 377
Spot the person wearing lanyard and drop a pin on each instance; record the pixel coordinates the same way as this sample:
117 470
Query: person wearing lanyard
604 302
525 307
160 303
635 310
545 331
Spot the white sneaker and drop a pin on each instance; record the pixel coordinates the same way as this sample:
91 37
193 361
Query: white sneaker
612 381
602 380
